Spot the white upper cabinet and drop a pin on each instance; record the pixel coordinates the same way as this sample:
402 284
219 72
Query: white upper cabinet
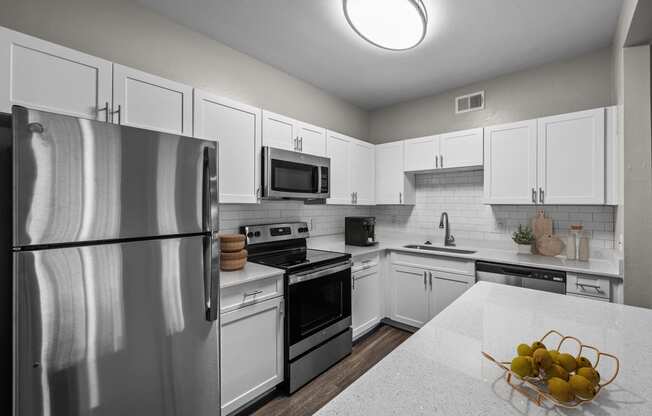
571 149
460 149
287 133
393 186
421 153
510 163
612 156
312 139
337 149
237 128
44 76
279 131
362 171
150 102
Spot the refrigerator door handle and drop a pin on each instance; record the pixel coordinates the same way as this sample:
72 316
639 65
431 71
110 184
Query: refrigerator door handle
211 242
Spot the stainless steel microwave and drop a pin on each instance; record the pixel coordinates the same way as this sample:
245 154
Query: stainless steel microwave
294 175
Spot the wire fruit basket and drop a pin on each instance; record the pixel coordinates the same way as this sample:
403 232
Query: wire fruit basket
535 389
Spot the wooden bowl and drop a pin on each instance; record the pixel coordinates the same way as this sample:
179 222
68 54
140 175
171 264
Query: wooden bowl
231 265
230 243
236 255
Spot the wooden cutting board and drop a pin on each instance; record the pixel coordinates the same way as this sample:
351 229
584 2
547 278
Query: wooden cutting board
549 245
541 225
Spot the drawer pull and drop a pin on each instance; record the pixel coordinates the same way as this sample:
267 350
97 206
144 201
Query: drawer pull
585 285
254 293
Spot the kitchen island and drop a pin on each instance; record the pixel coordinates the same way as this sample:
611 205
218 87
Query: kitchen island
440 369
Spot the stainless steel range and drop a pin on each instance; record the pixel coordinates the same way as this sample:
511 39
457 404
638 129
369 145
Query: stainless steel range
317 298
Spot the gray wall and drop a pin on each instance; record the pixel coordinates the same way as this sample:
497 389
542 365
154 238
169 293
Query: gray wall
638 175
124 32
571 85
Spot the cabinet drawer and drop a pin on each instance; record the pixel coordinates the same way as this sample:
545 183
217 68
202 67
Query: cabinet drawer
588 286
445 264
587 297
235 297
365 263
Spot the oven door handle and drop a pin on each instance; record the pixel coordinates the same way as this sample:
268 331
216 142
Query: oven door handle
321 272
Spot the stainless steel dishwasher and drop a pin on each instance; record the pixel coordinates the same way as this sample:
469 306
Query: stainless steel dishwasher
528 277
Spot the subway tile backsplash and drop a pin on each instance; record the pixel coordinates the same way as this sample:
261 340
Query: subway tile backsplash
458 193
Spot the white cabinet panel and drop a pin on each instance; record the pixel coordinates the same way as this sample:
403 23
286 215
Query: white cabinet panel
612 156
150 102
571 158
44 76
279 131
237 127
510 163
337 149
421 153
393 186
312 139
366 301
461 149
445 290
362 170
410 295
252 352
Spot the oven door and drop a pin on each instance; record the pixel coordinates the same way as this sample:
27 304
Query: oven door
294 175
319 306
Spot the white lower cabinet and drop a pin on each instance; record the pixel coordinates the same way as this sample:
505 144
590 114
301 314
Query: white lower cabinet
421 287
366 296
252 352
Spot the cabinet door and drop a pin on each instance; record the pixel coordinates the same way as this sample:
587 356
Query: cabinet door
312 139
510 163
445 289
252 352
237 127
366 298
150 102
44 76
571 158
389 173
461 149
420 154
337 149
279 131
410 295
363 172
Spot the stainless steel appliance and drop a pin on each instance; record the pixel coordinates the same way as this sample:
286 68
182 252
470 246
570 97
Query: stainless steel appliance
295 175
317 298
360 231
527 277
116 283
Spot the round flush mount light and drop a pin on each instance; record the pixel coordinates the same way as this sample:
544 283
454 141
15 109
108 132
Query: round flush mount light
396 25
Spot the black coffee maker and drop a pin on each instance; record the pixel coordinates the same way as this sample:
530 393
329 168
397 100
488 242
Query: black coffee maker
360 231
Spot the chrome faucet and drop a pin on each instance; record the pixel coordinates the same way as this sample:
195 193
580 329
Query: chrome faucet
449 240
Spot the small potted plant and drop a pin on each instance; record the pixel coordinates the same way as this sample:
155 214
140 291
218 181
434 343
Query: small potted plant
523 237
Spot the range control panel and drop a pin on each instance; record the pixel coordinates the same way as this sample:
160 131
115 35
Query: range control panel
264 233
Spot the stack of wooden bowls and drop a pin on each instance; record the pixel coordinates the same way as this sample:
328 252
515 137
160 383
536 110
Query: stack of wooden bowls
233 255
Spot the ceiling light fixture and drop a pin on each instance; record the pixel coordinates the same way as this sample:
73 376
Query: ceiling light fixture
396 25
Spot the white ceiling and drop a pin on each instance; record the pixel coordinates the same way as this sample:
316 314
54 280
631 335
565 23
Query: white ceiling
467 41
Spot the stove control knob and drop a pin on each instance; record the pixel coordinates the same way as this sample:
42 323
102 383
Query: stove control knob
257 233
250 234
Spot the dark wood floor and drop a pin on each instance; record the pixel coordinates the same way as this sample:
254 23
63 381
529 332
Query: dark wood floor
321 390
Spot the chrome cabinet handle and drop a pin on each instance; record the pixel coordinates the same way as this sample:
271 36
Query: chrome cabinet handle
352 199
254 293
430 279
353 282
301 144
541 195
441 161
425 285
106 108
534 196
400 197
584 285
436 162
356 198
296 143
118 112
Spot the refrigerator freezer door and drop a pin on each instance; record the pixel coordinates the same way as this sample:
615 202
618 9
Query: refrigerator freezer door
83 180
115 329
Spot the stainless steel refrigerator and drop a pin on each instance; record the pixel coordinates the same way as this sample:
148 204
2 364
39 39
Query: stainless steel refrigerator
113 254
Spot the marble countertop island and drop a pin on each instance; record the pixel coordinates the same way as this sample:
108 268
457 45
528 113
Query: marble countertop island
440 370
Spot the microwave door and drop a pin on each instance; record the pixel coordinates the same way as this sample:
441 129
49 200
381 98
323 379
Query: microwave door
294 175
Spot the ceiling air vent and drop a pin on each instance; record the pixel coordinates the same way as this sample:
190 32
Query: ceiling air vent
469 102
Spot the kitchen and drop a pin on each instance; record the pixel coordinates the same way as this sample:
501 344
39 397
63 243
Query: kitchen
401 175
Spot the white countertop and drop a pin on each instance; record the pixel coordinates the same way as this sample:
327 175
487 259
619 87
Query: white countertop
249 273
596 266
440 371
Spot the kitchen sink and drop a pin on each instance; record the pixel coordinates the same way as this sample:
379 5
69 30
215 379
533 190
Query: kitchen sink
441 249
